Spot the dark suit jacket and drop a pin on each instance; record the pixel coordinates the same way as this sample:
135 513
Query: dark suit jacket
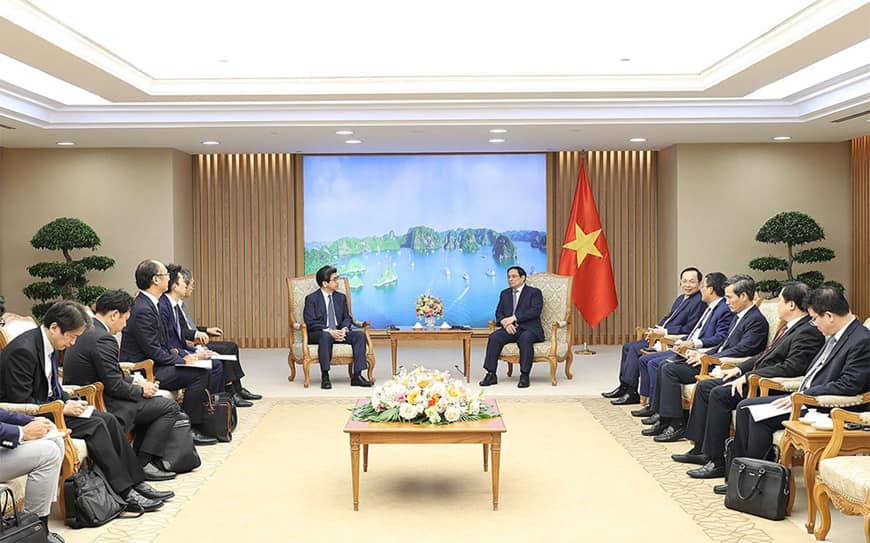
94 357
684 314
144 337
22 370
716 328
314 312
749 336
174 335
529 306
10 422
188 325
790 356
847 370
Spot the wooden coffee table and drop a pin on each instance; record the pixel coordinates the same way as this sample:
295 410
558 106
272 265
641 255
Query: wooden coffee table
441 334
486 432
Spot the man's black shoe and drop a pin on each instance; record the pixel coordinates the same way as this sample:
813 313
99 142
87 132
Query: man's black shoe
248 395
645 411
670 435
152 493
360 381
153 473
721 489
201 439
524 381
241 402
54 538
710 470
325 383
137 502
629 398
616 392
652 419
489 379
654 430
691 458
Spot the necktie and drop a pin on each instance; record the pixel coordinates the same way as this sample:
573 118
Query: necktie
817 365
54 390
697 331
516 297
330 314
178 318
779 334
730 331
675 312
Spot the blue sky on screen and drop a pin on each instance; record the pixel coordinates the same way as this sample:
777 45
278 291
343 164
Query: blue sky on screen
371 195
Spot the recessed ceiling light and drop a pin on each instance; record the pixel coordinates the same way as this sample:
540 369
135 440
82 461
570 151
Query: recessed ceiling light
498 131
353 141
637 140
497 140
345 132
781 138
626 59
65 143
211 142
224 60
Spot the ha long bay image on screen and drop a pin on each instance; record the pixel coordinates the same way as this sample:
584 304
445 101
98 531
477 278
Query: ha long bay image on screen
465 267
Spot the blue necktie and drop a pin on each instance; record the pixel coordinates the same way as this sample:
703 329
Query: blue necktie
330 314
56 393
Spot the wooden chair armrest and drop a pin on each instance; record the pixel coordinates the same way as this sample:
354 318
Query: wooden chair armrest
653 338
784 384
491 326
752 384
55 409
639 332
732 361
146 367
799 400
840 417
707 363
561 324
297 326
360 324
93 393
667 342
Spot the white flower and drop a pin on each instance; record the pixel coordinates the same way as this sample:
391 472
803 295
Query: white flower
452 414
474 407
407 411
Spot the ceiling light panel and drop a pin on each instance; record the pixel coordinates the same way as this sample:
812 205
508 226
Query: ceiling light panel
38 82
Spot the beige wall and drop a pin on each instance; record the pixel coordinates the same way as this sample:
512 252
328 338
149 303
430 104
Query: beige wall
139 201
667 227
725 192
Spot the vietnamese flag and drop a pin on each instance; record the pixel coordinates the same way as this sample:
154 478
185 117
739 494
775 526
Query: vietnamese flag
586 257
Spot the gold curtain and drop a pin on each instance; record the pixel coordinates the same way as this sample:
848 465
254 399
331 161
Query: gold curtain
624 185
860 276
245 225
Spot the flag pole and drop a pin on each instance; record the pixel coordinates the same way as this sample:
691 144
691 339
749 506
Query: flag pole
585 350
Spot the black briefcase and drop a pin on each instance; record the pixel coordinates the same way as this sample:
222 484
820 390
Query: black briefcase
19 527
220 417
758 487
180 455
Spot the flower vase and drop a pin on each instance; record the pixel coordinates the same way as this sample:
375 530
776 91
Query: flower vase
430 322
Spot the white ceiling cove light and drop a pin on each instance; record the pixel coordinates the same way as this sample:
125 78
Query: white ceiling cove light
497 140
353 141
38 82
498 131
637 140
781 138
344 132
211 142
65 143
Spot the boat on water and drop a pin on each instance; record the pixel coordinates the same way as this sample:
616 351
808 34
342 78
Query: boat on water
388 277
490 272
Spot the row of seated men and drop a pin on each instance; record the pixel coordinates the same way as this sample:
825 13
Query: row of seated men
820 340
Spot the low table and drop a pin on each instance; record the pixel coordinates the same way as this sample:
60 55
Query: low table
486 432
442 334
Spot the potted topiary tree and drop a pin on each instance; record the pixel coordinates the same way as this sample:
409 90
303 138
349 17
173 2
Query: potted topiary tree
65 280
792 228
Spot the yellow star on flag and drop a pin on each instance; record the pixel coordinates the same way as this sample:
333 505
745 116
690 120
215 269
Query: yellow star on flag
583 244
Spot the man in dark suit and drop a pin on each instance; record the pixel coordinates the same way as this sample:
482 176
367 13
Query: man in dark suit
519 314
841 368
747 337
28 374
145 338
789 355
233 371
329 321
94 357
709 331
684 313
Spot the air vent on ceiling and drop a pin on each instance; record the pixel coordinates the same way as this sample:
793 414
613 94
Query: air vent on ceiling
850 117
7 127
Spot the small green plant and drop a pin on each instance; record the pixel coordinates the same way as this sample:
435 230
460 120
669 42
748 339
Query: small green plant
792 228
65 280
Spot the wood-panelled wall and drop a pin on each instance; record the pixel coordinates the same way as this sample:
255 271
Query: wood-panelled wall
860 280
624 184
245 225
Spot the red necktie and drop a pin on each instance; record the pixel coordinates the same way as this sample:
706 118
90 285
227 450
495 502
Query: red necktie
782 330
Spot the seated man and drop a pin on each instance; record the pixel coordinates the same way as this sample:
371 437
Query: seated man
145 338
94 357
684 313
841 368
28 374
747 337
329 321
709 331
233 372
789 355
519 314
24 452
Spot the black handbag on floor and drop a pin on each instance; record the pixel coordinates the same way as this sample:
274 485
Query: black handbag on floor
19 527
758 487
180 455
220 418
89 499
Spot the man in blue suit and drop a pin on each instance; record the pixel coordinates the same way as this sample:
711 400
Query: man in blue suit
519 314
684 313
747 336
329 321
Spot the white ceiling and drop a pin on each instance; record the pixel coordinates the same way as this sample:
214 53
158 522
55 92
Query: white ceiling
427 77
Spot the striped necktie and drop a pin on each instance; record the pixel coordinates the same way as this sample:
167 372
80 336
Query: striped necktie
817 365
779 334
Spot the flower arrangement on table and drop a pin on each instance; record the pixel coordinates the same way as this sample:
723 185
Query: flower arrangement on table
429 307
424 396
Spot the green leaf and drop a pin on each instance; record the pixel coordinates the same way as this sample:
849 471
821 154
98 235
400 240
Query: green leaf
836 285
65 233
95 262
814 254
768 263
812 278
88 294
39 310
770 286
790 227
41 291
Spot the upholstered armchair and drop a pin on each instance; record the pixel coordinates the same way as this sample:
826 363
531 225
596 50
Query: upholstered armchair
844 480
297 333
556 320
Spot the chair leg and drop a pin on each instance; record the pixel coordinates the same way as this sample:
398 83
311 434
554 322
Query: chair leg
292 364
867 528
371 371
306 369
350 371
553 372
568 362
823 504
510 369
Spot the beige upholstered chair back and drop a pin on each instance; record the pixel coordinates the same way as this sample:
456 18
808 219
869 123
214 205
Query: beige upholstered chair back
299 288
556 291
867 324
768 308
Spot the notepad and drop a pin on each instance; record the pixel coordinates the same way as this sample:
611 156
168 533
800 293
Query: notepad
224 357
206 364
764 411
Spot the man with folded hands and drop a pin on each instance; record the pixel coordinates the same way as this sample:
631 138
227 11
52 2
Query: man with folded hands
789 355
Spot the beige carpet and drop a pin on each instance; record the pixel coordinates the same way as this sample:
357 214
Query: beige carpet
571 470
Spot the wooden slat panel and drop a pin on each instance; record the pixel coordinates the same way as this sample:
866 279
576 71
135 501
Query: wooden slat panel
860 266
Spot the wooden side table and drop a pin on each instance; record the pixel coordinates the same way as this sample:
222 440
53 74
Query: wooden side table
440 334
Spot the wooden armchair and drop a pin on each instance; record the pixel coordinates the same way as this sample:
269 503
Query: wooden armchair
297 333
556 320
844 480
